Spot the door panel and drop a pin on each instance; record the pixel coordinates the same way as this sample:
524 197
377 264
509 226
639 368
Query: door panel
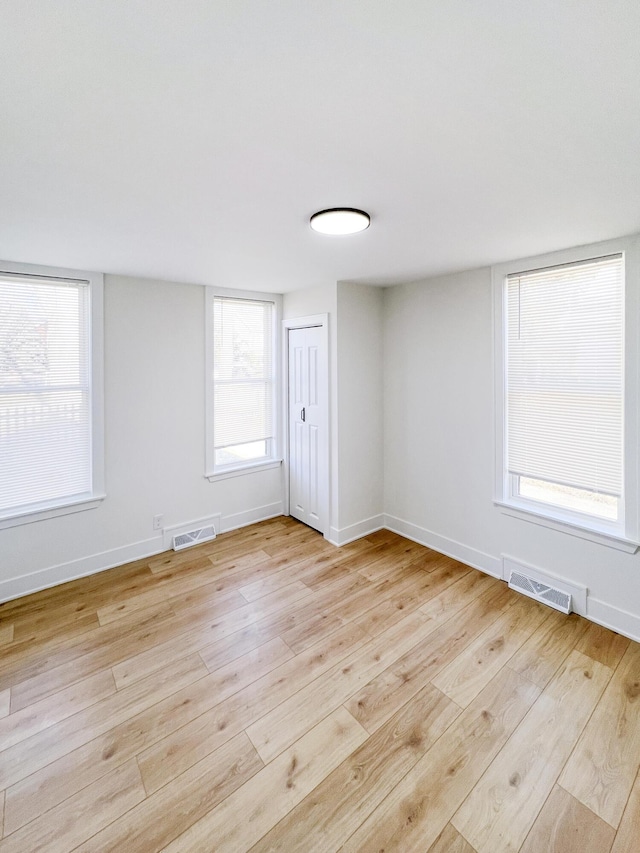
308 465
298 353
314 502
313 376
297 461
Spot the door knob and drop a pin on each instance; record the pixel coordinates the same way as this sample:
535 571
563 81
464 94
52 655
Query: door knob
303 415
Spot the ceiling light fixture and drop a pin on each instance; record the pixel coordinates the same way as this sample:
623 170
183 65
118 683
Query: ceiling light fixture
340 220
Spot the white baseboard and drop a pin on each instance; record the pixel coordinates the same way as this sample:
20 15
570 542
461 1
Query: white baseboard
64 572
355 531
250 516
469 556
94 563
614 618
621 621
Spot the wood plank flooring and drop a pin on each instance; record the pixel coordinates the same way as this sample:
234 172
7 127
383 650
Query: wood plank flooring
269 692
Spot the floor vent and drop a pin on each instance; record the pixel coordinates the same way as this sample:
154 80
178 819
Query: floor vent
540 591
193 537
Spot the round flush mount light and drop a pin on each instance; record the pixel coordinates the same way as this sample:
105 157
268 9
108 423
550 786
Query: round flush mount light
340 220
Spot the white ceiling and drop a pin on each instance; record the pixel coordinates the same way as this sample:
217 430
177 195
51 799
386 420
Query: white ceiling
191 140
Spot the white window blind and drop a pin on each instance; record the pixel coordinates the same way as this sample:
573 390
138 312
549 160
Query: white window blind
45 405
243 381
565 375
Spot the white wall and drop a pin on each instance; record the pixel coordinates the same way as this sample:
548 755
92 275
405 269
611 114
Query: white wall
154 429
439 448
360 407
312 300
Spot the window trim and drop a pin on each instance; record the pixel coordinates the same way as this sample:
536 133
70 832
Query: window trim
575 524
215 473
64 506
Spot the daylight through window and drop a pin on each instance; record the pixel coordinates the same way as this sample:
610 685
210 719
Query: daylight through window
564 387
242 416
45 392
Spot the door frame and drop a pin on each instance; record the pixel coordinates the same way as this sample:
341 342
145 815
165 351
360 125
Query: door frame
322 321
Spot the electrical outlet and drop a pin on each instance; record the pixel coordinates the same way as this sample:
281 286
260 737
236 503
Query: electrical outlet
158 521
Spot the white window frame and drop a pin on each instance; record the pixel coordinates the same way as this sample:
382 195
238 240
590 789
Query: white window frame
215 472
63 506
623 536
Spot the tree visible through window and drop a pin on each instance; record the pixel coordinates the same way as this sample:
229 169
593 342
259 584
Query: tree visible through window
45 392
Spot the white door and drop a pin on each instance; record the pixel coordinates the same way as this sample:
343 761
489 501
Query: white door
308 464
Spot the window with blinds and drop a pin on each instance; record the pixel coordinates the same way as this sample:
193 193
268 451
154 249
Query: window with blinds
564 386
46 435
241 417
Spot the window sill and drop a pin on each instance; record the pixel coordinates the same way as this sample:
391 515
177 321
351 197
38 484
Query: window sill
238 471
610 540
9 518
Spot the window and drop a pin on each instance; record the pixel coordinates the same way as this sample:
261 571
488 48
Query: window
241 388
50 393
566 424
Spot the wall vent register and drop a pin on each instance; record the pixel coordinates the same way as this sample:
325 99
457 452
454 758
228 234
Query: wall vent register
193 537
555 598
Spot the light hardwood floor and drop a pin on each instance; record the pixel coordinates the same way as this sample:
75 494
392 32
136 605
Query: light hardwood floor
269 692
